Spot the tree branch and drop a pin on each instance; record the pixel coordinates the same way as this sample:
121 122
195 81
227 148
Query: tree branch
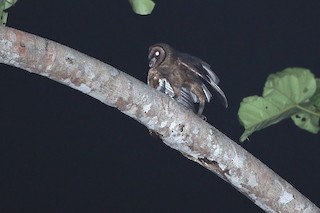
178 127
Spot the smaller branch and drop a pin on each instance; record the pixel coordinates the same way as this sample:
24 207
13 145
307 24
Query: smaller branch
178 127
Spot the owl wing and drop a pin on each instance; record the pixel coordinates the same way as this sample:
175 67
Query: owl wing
202 69
186 98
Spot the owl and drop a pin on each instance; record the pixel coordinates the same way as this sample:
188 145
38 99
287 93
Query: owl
183 77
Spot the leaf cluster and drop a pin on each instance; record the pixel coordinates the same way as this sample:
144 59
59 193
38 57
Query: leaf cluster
293 92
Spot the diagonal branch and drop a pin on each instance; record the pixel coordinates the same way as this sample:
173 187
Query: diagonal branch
178 127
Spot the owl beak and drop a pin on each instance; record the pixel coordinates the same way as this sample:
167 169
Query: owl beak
152 62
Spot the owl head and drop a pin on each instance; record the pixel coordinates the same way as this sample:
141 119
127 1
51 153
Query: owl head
159 53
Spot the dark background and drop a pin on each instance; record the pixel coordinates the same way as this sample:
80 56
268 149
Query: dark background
63 151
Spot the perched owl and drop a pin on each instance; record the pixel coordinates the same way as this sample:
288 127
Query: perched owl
183 77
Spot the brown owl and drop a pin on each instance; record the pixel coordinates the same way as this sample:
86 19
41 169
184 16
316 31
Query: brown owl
183 77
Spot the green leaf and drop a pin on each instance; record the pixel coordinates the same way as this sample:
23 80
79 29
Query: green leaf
142 7
307 121
257 112
315 99
283 96
5 4
294 84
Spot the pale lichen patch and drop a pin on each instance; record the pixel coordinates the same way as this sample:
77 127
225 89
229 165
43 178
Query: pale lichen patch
113 72
238 162
195 131
132 111
285 198
252 181
216 150
163 124
88 70
84 88
147 107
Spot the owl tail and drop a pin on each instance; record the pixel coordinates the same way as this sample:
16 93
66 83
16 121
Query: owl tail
220 94
217 90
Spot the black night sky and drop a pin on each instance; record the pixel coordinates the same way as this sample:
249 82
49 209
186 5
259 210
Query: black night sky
63 151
